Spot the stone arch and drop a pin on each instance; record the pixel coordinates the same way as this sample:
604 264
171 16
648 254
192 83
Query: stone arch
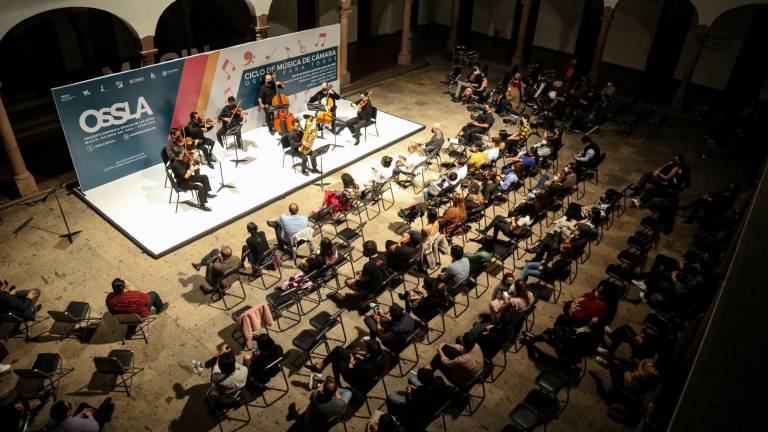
187 27
710 10
139 16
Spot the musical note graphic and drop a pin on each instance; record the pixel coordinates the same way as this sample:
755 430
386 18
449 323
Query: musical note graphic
302 47
269 56
248 57
224 68
321 39
288 52
229 91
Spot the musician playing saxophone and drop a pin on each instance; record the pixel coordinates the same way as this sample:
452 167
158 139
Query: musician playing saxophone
294 140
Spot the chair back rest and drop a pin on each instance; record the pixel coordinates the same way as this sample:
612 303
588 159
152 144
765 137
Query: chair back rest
164 157
129 319
231 272
30 374
172 180
61 316
374 113
108 365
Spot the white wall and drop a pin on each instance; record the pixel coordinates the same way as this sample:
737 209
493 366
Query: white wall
558 24
632 31
328 13
435 11
283 18
483 16
720 49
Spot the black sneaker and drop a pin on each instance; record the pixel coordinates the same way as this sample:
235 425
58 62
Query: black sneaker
305 172
205 208
162 308
210 195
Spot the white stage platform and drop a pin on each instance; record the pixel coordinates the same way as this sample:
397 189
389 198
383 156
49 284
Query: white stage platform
137 205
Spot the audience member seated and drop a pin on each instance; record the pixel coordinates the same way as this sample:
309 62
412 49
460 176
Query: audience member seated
459 363
217 263
474 199
325 256
424 395
482 125
436 141
125 299
399 255
578 313
556 243
383 171
327 402
490 184
456 274
643 344
265 352
407 164
588 158
634 381
493 336
520 138
515 303
392 329
510 226
427 303
523 164
545 270
474 78
255 245
570 344
21 302
227 375
712 206
437 188
666 178
451 221
384 423
360 369
83 419
373 274
432 227
287 225
341 200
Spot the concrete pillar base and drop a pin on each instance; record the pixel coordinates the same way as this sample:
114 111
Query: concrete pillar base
345 78
26 184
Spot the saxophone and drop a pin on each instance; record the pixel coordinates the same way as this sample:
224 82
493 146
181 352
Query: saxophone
310 133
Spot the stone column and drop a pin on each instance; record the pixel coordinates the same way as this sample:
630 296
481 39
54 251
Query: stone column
261 27
404 58
148 50
517 58
345 9
24 180
699 38
454 35
605 25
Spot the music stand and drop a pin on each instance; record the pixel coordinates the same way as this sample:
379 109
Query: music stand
223 185
233 133
318 153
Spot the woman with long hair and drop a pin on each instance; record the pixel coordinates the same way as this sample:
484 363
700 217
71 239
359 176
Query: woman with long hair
326 256
515 303
454 215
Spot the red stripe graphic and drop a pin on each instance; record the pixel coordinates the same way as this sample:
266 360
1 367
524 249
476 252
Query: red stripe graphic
189 89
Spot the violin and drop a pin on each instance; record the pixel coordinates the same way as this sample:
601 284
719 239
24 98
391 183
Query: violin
237 112
204 122
361 102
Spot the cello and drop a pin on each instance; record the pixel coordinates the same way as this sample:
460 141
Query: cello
283 118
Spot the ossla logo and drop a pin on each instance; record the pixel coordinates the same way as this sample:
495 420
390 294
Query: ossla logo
117 114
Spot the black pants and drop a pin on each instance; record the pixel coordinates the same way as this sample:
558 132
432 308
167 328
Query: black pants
499 223
30 305
339 361
224 130
304 158
488 190
621 335
470 130
205 260
278 233
269 116
206 147
548 246
199 183
354 124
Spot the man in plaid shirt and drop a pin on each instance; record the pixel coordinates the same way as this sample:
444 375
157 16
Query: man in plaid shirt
125 299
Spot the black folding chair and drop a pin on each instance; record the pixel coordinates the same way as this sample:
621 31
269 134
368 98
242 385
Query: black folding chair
277 364
75 317
280 304
260 264
221 290
135 326
45 373
120 364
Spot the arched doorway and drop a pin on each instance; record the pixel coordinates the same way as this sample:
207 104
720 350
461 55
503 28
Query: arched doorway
190 26
51 49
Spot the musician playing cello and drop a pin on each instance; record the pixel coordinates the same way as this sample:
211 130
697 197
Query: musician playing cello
363 118
196 129
268 91
325 93
230 118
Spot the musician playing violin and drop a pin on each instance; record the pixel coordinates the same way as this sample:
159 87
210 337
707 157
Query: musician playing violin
174 139
196 129
187 178
231 117
268 91
364 114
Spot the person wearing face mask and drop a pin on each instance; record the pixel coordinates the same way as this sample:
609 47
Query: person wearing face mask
230 119
196 129
267 91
